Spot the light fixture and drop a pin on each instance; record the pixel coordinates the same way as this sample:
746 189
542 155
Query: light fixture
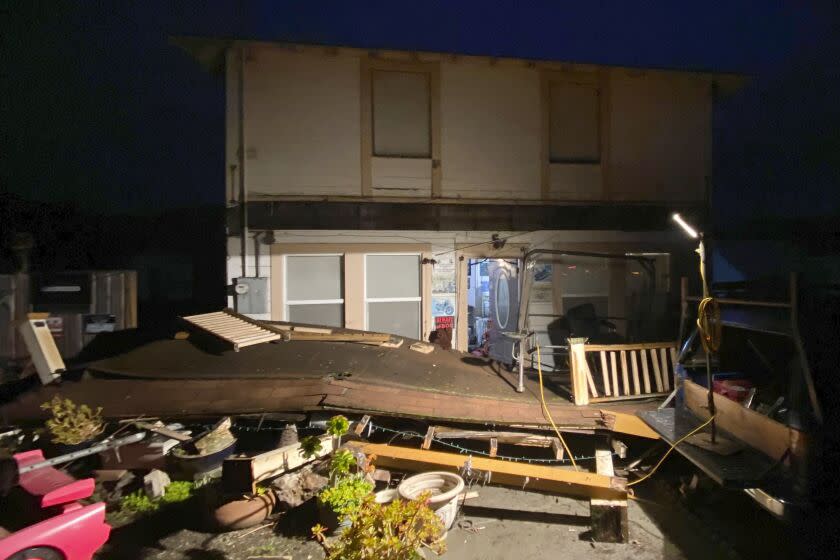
687 228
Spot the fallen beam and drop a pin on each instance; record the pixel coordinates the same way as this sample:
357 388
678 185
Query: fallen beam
507 473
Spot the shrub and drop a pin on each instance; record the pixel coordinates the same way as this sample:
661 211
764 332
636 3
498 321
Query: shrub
346 495
395 531
72 424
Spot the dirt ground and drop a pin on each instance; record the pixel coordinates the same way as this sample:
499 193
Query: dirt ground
501 523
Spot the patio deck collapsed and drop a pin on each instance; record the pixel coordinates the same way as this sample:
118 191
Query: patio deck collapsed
197 377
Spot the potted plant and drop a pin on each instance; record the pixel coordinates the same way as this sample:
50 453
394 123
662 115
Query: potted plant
396 531
72 425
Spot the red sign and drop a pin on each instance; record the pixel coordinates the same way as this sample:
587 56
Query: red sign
445 322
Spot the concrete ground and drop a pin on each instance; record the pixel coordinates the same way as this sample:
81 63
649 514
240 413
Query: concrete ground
500 524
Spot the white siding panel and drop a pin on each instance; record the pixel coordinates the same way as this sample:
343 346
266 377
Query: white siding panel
575 181
302 124
660 136
490 124
401 177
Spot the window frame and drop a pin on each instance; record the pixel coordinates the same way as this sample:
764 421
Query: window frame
289 302
417 299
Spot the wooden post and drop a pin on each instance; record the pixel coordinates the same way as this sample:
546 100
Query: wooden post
608 518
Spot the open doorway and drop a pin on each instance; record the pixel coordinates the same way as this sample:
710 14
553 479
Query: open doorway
492 306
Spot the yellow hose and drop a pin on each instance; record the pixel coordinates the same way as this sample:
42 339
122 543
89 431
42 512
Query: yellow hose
673 446
547 413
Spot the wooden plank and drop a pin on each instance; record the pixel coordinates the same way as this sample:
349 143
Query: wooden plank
515 438
363 423
635 367
592 389
614 374
656 376
636 346
645 372
577 358
430 436
630 397
364 337
241 474
164 431
507 473
557 446
666 381
494 446
605 374
756 430
608 517
628 423
624 376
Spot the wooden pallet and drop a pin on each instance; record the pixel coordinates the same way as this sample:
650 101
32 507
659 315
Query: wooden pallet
237 330
614 372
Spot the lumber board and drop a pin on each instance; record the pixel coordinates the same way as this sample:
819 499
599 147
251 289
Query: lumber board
494 446
656 376
629 424
241 474
614 374
507 473
627 389
753 428
515 438
608 517
635 368
605 374
366 338
635 346
666 376
430 435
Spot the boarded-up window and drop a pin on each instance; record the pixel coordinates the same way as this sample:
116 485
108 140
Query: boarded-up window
574 123
401 114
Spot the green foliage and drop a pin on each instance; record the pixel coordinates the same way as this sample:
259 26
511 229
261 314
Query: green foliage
178 491
72 424
138 502
341 463
346 495
310 446
338 425
395 531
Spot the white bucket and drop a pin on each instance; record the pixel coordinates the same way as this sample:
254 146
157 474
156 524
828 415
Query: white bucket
445 487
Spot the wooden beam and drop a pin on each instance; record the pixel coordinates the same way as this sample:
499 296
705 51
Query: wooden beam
756 430
494 446
608 517
516 438
506 473
629 424
430 435
363 337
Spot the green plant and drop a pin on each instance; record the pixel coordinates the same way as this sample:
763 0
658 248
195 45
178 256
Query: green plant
341 463
338 425
345 496
395 531
72 424
138 502
310 446
178 491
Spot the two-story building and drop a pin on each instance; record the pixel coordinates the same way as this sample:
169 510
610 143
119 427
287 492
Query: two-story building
368 187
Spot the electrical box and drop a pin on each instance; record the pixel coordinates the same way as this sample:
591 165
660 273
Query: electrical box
251 295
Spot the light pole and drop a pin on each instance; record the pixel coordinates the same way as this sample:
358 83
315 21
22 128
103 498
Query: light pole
706 312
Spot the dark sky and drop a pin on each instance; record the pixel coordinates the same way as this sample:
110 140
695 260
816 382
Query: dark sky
98 108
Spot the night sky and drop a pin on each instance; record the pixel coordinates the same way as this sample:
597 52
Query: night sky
99 109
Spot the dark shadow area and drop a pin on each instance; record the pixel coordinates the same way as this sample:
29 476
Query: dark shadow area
298 522
503 514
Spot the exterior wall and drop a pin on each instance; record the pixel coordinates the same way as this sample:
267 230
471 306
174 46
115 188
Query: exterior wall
306 122
445 280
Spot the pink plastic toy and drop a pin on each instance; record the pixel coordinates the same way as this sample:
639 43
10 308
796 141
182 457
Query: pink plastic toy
74 534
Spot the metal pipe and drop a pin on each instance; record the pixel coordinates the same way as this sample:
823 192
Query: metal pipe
243 201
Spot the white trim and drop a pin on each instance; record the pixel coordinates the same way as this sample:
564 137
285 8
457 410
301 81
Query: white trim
392 299
313 301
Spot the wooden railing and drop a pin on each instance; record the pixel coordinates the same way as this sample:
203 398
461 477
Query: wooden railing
612 372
